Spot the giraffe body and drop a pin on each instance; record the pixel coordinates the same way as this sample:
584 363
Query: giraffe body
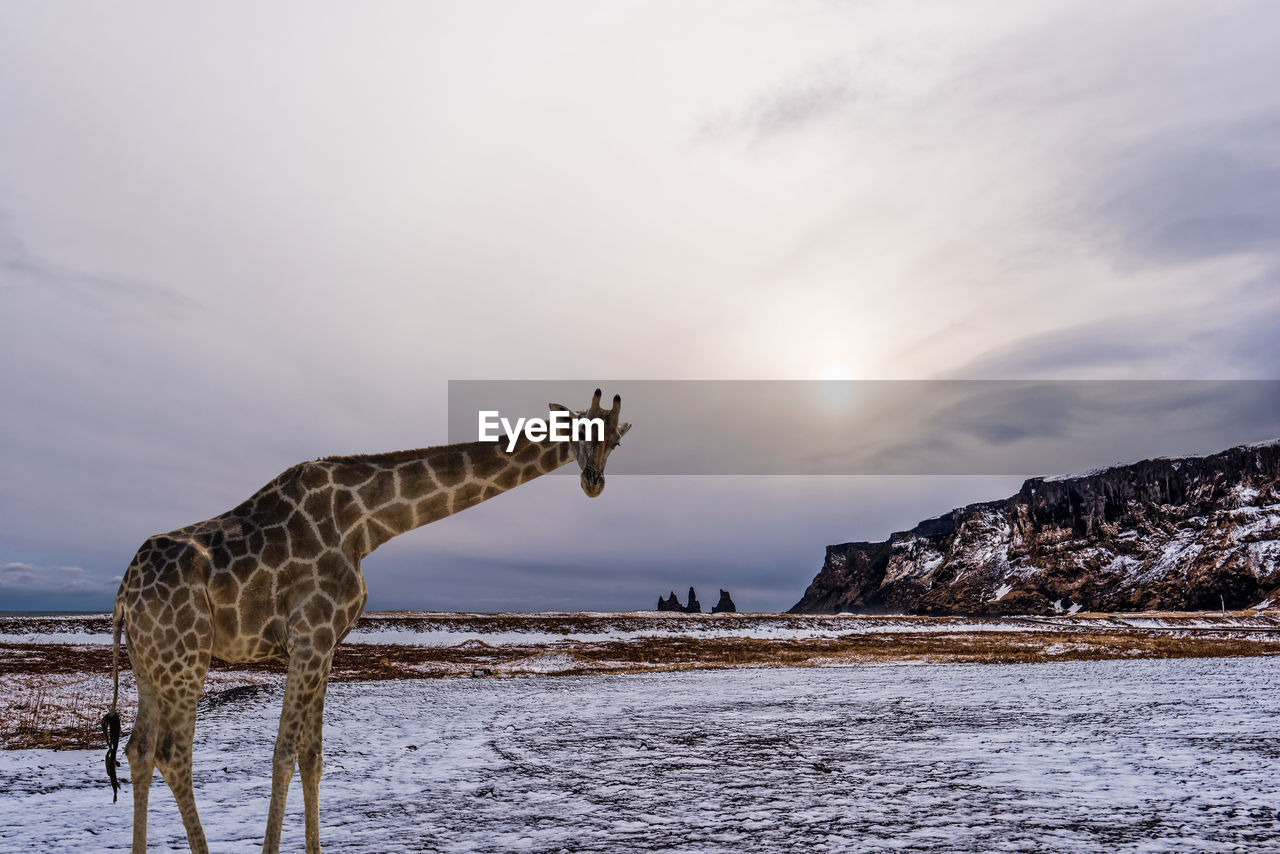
278 577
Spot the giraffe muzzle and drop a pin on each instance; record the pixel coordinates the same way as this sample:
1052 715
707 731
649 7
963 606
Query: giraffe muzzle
592 481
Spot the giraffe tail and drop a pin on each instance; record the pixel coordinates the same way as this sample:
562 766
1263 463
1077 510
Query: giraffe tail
111 720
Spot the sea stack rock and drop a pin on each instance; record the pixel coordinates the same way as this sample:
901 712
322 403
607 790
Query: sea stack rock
671 603
694 607
725 605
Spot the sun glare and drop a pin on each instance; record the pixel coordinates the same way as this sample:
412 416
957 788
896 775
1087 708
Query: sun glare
835 369
834 377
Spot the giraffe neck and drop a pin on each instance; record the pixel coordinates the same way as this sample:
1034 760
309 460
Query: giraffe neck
409 490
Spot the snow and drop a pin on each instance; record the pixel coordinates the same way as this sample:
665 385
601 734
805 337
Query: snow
1002 592
913 556
1058 478
540 630
1176 555
1246 494
1175 463
545 663
1080 757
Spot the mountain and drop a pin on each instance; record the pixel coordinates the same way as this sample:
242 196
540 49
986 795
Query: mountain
1163 534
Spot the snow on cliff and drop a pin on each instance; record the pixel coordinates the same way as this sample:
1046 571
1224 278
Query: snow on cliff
1181 534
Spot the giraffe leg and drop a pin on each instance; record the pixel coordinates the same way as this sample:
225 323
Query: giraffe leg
169 673
173 756
311 761
308 672
141 753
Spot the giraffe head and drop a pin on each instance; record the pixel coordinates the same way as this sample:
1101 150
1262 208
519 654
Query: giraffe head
591 454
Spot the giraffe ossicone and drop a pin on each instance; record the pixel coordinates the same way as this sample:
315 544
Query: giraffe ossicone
278 577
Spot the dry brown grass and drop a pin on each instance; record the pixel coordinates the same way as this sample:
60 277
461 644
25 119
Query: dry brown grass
54 715
984 647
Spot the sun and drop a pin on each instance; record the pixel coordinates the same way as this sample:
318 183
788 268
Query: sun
835 382
835 370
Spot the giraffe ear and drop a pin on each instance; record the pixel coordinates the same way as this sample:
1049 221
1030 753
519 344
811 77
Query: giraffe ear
557 407
623 428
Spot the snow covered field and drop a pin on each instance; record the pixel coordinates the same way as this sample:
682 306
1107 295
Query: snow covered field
1077 756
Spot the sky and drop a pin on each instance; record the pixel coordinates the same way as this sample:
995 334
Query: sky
235 237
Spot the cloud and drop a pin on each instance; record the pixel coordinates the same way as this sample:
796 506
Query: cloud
26 578
360 208
790 107
1173 204
1229 335
22 269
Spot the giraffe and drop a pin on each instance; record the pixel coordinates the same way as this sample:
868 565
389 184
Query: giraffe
278 577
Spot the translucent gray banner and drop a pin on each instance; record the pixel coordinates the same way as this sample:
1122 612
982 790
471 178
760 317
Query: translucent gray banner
948 427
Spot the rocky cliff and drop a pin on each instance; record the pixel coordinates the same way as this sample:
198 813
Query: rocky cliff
1177 534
